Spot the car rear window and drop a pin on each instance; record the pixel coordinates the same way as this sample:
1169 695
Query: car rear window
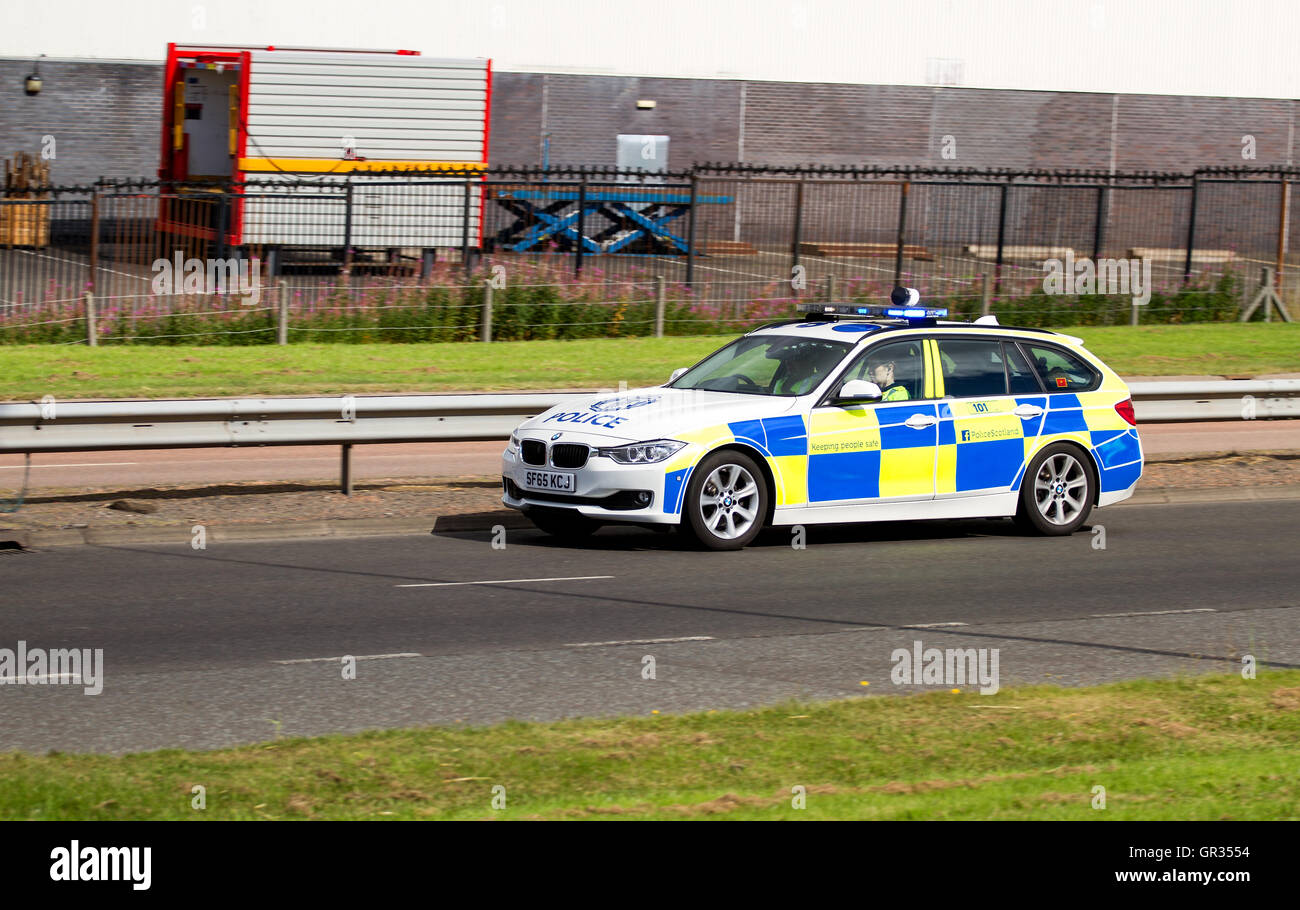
1060 370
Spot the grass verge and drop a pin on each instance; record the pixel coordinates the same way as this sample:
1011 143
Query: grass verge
1207 747
32 371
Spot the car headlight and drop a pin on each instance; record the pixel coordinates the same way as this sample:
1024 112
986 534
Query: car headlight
514 443
642 452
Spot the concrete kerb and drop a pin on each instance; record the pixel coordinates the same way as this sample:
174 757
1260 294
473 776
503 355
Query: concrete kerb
337 528
343 528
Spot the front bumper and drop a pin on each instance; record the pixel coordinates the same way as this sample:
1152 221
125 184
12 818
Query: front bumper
604 490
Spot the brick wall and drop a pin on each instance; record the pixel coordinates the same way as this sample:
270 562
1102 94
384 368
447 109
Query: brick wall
104 117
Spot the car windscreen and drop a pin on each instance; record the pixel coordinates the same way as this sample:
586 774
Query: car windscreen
766 365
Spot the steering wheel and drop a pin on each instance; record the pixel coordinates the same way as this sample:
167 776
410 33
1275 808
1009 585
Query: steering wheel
745 380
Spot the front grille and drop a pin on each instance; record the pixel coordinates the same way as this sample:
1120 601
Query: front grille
568 455
533 452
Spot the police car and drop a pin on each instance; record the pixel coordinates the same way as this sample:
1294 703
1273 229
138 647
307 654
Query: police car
851 413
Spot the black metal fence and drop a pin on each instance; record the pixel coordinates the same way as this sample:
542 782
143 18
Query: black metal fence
721 237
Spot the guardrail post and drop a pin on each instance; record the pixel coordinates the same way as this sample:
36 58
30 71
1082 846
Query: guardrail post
661 300
485 324
282 316
92 333
986 294
345 486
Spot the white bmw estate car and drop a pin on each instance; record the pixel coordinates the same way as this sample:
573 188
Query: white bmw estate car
852 413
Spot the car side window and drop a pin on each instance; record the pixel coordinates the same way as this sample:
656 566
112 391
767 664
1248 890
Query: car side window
1020 376
972 368
1060 370
898 368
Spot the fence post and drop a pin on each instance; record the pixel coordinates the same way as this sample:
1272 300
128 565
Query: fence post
1282 231
92 333
986 297
660 305
902 227
282 321
485 326
223 222
1002 235
690 232
798 229
1098 228
582 228
1134 317
347 229
94 241
830 288
464 226
1191 231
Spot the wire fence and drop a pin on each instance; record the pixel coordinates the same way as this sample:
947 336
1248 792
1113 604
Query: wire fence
522 253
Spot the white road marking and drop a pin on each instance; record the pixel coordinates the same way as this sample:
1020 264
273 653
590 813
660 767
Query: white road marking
313 660
639 641
89 464
35 679
1154 613
931 625
502 581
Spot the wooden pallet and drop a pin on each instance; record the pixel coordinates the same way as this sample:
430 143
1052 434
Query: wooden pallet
22 223
728 248
863 250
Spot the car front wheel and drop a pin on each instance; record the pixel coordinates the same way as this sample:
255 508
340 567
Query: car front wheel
726 501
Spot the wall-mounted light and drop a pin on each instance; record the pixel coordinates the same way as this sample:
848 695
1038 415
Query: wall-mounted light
645 104
32 84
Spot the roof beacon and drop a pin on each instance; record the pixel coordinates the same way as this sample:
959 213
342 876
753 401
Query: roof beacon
904 306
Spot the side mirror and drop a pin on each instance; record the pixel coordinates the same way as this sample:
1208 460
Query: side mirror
677 373
859 390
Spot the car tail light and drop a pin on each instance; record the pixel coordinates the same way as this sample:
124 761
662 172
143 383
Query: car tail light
1125 410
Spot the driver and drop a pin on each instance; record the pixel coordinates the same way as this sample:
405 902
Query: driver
804 371
882 374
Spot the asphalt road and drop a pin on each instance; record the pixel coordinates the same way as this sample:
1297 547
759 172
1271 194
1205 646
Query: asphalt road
149 468
242 642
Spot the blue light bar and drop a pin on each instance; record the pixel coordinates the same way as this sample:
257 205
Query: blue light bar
916 312
853 309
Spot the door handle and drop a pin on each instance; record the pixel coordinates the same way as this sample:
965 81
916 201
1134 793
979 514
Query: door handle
920 421
1027 410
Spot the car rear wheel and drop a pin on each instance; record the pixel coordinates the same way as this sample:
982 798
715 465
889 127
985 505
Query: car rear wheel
1057 492
726 501
565 524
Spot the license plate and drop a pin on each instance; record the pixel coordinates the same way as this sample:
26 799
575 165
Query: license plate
550 481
